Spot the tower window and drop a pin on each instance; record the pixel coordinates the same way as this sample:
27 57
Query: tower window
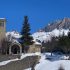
2 24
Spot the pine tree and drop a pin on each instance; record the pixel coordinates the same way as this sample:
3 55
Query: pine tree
64 43
52 44
26 36
69 34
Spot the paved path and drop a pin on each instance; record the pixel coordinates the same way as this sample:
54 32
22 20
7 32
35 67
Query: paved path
20 64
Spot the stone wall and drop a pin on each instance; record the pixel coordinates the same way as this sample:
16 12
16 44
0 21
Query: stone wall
34 48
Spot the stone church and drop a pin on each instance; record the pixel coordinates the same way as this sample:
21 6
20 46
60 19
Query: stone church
9 41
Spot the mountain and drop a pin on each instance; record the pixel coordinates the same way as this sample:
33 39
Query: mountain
14 34
59 24
46 36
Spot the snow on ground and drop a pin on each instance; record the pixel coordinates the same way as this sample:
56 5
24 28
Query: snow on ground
30 54
28 69
22 57
46 64
8 61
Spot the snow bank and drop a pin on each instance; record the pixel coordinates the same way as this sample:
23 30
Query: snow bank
8 61
30 54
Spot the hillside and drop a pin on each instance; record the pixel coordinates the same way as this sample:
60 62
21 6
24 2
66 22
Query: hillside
59 24
46 36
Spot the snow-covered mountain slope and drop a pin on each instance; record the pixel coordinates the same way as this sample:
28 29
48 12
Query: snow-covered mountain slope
57 32
46 36
39 36
14 34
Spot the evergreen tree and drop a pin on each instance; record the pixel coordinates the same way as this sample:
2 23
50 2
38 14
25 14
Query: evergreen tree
53 44
64 43
69 34
26 36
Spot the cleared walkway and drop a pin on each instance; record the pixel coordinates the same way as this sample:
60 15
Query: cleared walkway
21 64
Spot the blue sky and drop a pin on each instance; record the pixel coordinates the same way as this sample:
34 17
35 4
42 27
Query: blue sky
40 12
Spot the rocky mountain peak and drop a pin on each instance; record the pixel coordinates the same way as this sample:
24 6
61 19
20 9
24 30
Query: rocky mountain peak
59 24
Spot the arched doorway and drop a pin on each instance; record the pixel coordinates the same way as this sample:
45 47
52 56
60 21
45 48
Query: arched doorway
15 49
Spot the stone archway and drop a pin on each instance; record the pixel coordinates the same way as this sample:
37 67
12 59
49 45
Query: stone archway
15 48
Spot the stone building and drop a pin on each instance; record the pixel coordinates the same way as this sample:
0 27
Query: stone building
2 30
36 47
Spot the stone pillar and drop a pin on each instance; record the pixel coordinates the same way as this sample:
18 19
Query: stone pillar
10 50
20 49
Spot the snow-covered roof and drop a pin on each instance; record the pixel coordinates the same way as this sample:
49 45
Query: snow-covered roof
37 43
